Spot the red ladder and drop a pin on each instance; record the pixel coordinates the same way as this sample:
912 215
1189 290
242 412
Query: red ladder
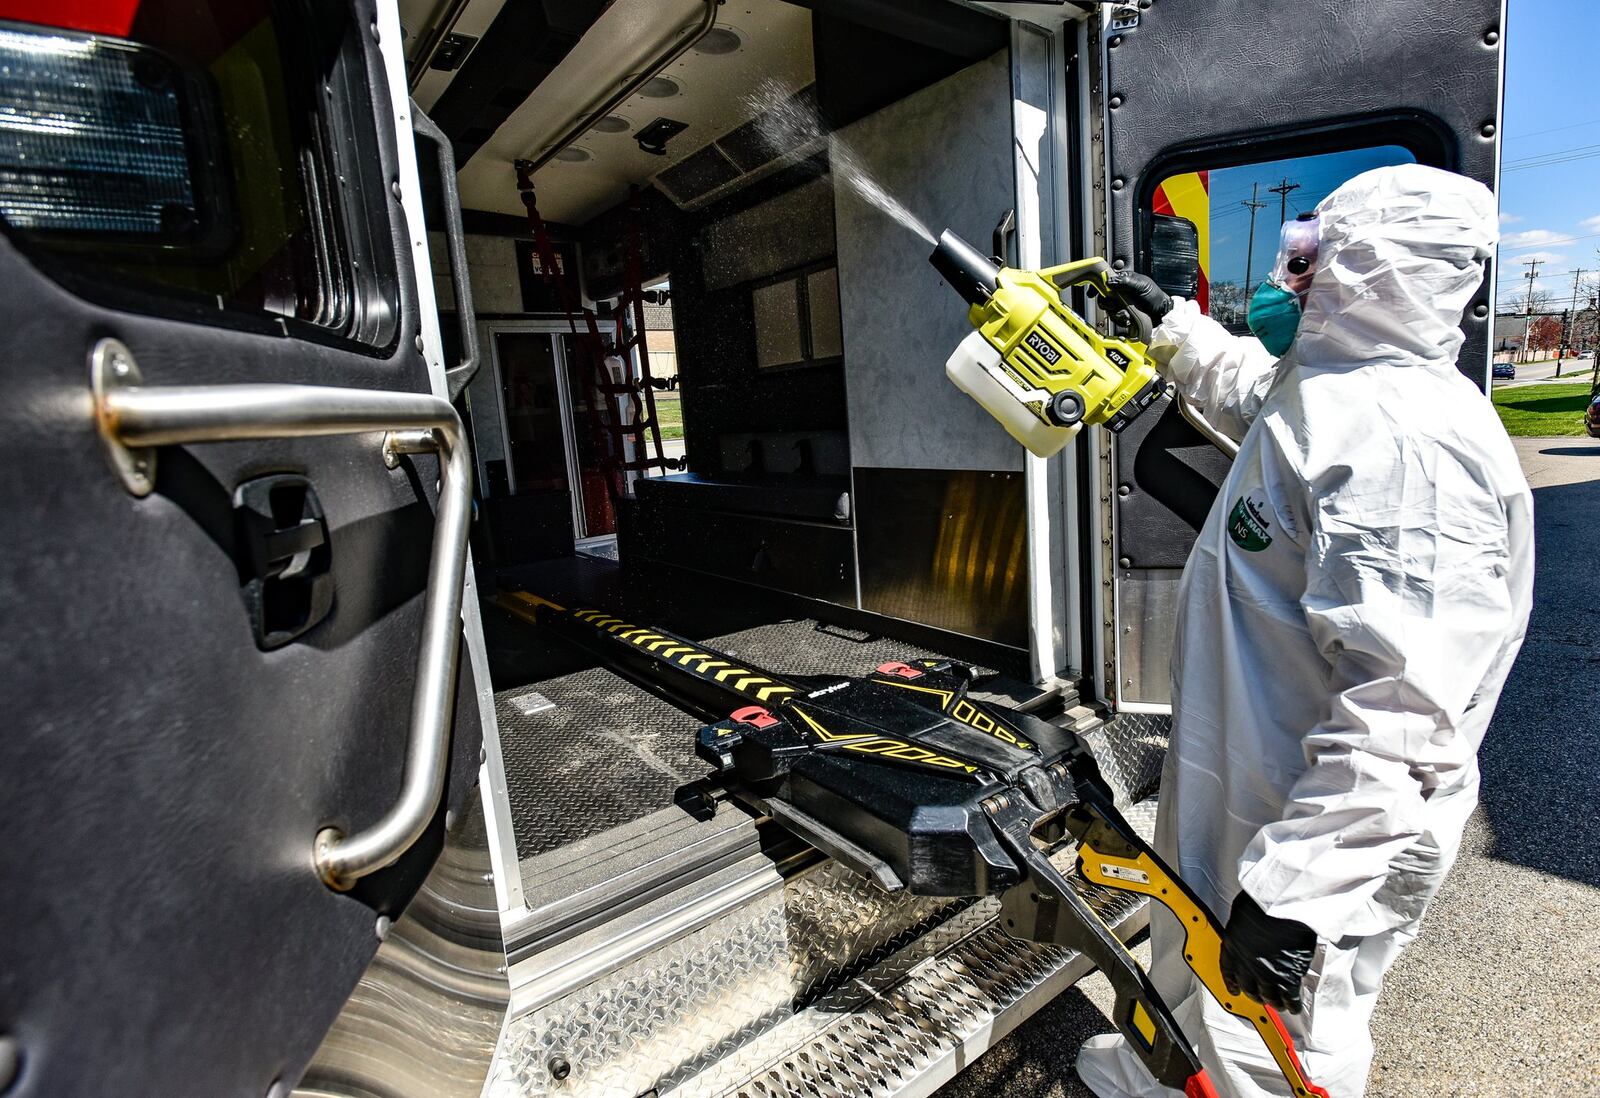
607 425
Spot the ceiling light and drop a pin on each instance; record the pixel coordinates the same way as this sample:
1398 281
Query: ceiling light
654 137
613 123
660 87
718 41
574 154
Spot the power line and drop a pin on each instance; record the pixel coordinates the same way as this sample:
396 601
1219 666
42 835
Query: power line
1555 129
1552 160
1549 153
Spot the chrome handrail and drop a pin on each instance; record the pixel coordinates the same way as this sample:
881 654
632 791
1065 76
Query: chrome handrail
132 416
1203 425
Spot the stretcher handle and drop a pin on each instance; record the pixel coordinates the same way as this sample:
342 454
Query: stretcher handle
1107 857
1139 1012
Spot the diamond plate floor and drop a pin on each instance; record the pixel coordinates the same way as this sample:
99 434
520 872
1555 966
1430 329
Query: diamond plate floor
606 752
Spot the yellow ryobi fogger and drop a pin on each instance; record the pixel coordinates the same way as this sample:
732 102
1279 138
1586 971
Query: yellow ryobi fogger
1033 363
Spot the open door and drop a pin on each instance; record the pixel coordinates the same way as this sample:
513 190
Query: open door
234 729
1223 118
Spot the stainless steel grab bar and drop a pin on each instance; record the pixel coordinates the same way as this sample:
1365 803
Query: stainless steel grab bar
1203 425
132 417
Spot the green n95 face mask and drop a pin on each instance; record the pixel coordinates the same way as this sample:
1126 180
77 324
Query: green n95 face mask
1274 317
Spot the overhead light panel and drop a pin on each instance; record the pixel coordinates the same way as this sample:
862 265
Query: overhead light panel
654 137
452 51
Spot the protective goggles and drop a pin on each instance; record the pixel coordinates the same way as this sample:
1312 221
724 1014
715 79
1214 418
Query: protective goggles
1297 253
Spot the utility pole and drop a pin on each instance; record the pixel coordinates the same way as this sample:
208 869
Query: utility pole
1566 324
1250 248
1527 329
1282 191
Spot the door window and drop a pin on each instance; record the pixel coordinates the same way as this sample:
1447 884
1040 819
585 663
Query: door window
1214 231
218 161
529 386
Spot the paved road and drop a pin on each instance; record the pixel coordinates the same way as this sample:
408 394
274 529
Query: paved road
1575 369
1496 998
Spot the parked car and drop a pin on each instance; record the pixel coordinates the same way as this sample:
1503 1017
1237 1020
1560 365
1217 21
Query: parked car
1505 371
1591 417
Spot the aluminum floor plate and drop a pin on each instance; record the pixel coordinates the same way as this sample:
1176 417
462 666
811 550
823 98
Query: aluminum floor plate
607 753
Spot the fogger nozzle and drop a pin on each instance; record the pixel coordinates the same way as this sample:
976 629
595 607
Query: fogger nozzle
970 273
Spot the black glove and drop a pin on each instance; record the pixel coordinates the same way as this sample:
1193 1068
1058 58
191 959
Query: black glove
1264 957
1130 288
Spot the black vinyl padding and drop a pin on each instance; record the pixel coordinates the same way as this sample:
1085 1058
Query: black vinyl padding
162 929
1208 83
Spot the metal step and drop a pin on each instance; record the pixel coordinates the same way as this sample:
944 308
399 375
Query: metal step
759 984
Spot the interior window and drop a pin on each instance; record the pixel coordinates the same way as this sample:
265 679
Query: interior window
216 153
1214 232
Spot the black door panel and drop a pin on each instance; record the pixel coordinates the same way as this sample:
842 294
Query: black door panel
164 777
1200 85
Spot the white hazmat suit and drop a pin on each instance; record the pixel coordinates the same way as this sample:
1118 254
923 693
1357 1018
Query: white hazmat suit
1348 617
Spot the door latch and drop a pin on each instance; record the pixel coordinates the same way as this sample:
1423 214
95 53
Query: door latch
284 557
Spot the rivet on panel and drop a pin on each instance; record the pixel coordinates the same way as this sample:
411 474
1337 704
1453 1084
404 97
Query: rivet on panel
381 927
1488 129
1119 264
1118 183
1491 37
1116 40
377 35
394 187
1124 562
450 819
1480 311
1116 101
418 342
1124 490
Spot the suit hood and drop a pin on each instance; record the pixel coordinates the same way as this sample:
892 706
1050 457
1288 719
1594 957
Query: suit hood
1400 255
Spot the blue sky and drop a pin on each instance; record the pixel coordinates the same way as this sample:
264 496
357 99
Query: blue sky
1231 188
1550 210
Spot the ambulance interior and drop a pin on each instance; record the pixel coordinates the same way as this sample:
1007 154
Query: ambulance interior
822 500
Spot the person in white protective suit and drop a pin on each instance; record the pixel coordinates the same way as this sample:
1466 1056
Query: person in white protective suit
1347 619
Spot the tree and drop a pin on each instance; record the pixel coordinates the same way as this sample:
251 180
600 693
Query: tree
1227 303
1545 334
1525 303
